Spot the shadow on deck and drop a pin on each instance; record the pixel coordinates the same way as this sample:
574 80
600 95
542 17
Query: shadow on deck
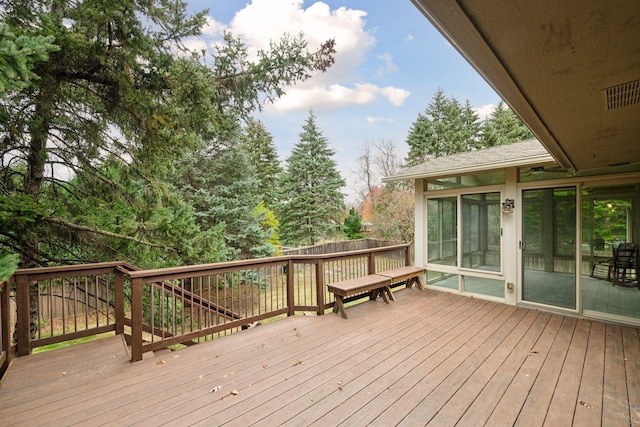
428 358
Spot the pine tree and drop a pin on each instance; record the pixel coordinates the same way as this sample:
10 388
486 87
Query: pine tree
503 127
353 225
446 127
311 203
222 187
258 143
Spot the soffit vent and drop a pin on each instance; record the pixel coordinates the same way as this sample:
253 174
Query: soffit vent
623 95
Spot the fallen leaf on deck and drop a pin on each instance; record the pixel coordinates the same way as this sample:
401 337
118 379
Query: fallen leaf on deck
234 392
585 404
216 389
265 366
63 372
299 362
160 362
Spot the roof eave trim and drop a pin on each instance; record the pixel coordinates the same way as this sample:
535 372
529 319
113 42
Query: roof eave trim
528 161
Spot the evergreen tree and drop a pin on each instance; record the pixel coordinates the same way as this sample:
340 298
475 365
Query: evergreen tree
503 126
98 80
20 52
471 128
258 143
222 187
160 227
311 203
353 225
446 127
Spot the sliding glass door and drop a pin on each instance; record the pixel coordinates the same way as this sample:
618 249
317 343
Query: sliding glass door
549 246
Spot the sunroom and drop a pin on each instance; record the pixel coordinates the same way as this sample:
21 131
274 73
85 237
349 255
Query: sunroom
509 224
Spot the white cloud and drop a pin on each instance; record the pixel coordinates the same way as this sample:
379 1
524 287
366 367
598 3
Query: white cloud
485 111
303 97
380 119
323 98
213 28
395 95
409 38
388 66
263 21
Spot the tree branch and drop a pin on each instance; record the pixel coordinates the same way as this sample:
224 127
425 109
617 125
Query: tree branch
77 227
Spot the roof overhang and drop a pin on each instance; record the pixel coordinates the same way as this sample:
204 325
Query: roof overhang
519 154
569 69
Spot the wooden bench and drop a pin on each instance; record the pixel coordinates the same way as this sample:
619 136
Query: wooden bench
374 283
411 274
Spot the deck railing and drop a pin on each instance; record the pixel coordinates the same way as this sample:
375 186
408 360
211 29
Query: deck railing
168 307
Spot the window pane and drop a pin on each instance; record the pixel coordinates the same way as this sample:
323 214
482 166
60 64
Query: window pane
482 286
444 280
481 231
442 226
610 216
476 180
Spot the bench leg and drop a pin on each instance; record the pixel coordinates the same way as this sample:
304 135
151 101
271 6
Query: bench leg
417 281
339 307
387 290
385 297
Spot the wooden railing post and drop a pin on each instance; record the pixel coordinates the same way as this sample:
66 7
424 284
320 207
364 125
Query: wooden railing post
136 321
119 301
23 312
371 265
5 344
407 255
320 286
291 301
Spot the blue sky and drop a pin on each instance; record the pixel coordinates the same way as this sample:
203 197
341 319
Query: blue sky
389 64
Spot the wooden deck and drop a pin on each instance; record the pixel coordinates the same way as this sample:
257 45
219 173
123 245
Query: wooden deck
428 358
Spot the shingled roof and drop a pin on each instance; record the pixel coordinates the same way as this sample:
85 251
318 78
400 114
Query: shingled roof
525 153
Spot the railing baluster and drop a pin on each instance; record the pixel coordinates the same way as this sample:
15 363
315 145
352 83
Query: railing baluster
97 300
75 305
52 307
39 312
63 307
87 311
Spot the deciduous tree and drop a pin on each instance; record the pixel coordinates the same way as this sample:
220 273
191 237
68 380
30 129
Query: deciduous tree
393 217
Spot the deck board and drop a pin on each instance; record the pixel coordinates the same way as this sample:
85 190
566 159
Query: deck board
589 405
429 358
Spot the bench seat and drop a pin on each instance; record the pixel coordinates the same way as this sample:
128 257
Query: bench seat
373 283
410 273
